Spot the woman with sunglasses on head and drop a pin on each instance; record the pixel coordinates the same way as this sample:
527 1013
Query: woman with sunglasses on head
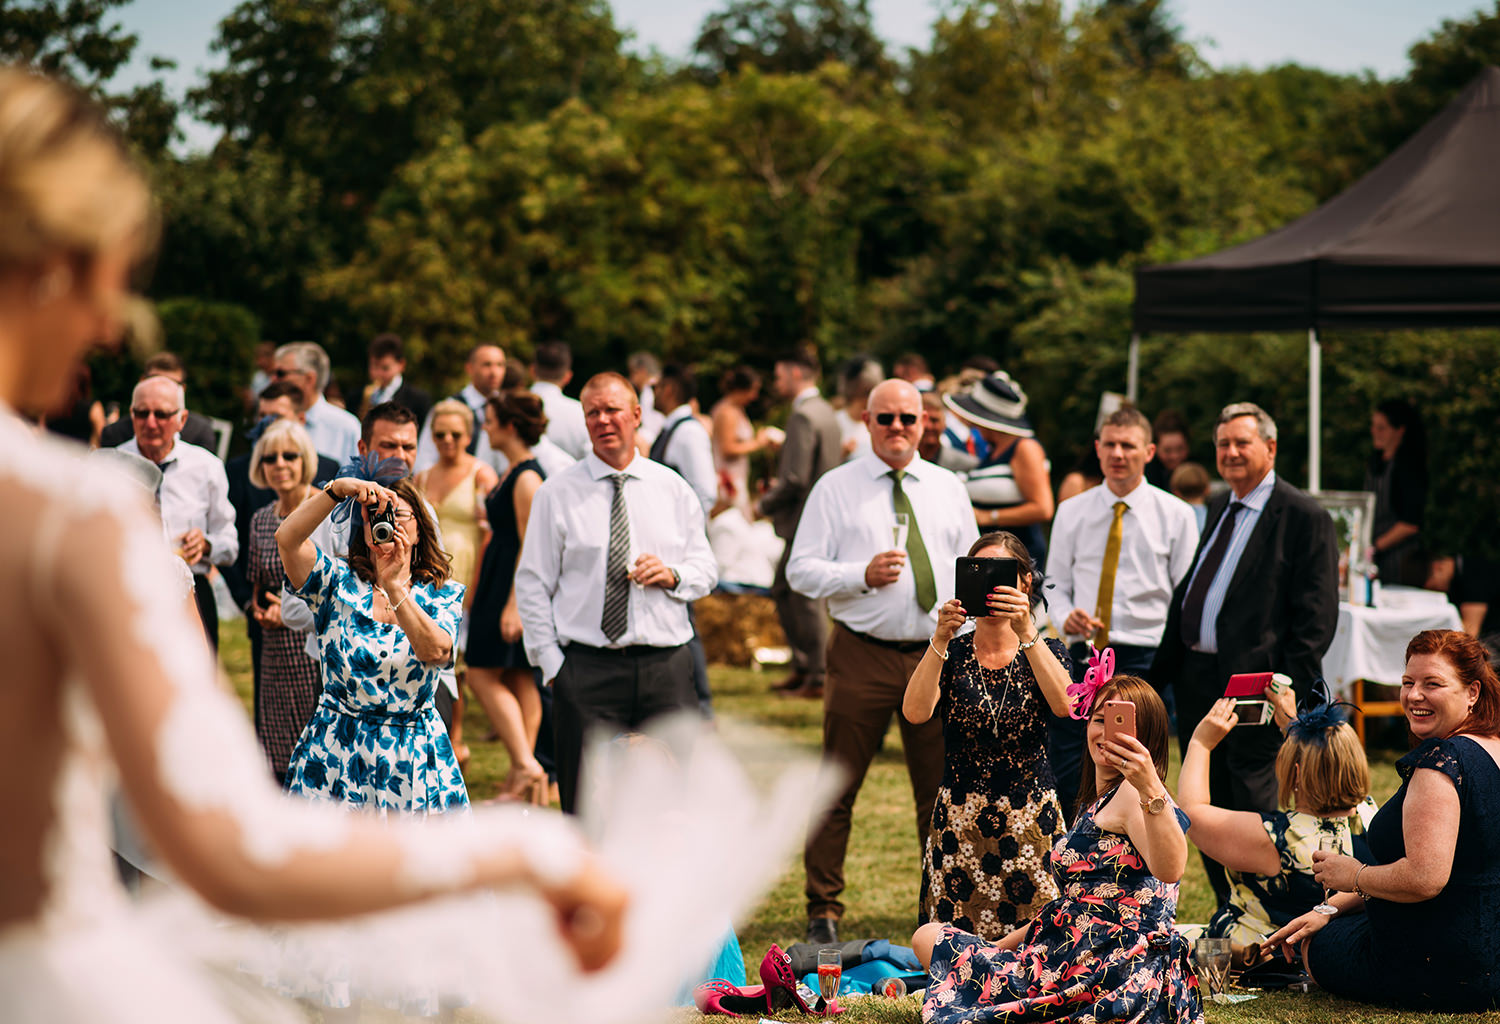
109 676
1418 923
1323 787
283 461
456 487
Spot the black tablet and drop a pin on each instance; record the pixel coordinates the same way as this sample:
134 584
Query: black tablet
975 578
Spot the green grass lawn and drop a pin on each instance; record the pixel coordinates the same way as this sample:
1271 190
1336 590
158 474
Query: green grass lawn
883 865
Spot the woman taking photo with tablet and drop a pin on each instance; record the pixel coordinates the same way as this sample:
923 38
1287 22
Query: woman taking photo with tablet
993 689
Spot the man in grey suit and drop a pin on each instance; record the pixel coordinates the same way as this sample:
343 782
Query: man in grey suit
813 446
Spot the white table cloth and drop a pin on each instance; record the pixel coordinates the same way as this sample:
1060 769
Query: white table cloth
1370 643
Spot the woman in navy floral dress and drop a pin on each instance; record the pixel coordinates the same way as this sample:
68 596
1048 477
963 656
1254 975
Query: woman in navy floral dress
386 621
1106 949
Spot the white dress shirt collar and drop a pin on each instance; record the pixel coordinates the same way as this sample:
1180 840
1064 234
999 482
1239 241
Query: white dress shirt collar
1110 497
811 391
601 470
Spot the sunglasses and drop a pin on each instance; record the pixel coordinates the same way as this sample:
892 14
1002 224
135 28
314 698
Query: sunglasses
281 457
154 414
443 435
885 419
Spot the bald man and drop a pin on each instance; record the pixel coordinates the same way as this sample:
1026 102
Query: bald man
884 601
194 491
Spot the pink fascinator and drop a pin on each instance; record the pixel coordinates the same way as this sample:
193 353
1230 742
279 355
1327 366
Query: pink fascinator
1101 668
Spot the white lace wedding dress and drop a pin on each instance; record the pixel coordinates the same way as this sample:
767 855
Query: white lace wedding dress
107 677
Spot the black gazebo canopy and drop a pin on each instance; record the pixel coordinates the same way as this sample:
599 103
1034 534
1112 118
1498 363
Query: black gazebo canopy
1414 243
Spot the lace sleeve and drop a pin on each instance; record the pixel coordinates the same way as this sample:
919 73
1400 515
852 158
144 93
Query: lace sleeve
191 766
1439 755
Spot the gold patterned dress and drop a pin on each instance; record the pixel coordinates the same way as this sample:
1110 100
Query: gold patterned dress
997 815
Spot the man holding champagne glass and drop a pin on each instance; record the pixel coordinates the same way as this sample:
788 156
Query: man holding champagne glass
877 538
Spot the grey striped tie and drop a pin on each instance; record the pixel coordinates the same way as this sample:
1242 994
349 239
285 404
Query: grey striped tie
616 584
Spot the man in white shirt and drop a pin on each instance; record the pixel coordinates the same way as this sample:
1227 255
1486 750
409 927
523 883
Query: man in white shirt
334 432
884 601
194 492
683 446
1117 553
486 369
615 549
551 369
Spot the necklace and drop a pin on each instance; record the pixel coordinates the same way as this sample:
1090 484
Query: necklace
987 697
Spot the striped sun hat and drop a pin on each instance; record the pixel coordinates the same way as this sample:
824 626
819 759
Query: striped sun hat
996 402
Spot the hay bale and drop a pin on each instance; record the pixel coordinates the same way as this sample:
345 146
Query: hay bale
734 625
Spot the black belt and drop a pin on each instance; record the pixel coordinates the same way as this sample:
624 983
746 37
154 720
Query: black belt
629 651
903 646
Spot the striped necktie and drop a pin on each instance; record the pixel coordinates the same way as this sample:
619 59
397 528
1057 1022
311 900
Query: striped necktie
616 583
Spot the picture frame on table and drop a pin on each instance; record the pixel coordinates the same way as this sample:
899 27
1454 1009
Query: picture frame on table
1353 514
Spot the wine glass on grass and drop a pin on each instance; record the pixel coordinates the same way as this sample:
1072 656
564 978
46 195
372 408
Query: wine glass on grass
830 971
1211 955
1330 844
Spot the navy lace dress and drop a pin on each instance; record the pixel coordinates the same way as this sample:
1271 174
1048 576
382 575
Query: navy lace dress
1442 953
1105 950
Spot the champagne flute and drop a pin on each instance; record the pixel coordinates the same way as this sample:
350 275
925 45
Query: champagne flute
1212 955
830 971
1331 844
900 525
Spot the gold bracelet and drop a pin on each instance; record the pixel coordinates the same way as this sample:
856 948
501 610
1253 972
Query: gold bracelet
941 654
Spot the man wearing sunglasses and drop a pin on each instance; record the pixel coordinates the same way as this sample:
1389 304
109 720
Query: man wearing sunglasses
884 584
196 428
194 492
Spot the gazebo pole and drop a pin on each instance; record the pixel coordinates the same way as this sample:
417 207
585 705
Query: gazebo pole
1314 412
1133 370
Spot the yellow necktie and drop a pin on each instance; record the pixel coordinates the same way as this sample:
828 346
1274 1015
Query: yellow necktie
1105 605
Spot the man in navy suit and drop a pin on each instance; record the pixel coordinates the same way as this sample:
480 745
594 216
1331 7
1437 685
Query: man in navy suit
387 368
1261 596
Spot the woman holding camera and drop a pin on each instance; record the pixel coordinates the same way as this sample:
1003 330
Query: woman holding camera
284 462
1323 787
997 814
386 621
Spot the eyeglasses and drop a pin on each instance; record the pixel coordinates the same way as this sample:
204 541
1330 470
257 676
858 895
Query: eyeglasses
281 374
281 457
443 435
885 419
154 414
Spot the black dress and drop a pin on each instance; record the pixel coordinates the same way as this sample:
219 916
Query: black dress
1442 953
997 817
497 573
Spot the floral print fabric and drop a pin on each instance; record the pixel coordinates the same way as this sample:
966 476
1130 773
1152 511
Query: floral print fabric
997 816
1260 904
375 739
1104 950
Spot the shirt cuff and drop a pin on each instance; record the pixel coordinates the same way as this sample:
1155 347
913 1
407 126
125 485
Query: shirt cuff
852 578
550 661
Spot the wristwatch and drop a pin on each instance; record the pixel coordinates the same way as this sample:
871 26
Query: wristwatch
328 490
676 578
1155 805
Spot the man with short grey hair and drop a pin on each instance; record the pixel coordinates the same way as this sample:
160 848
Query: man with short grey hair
1261 596
193 494
334 431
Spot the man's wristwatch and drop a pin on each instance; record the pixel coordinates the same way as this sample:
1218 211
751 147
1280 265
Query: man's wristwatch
676 578
1155 805
328 490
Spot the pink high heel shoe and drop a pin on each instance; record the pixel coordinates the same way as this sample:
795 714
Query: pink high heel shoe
778 993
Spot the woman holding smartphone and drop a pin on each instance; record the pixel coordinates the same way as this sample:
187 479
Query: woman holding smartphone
997 813
1108 945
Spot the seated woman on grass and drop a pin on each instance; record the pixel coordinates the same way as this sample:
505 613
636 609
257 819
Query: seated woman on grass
1323 786
1106 949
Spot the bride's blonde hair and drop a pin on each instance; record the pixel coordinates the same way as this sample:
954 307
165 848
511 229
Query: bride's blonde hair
68 185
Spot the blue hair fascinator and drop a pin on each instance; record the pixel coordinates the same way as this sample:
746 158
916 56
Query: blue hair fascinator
371 469
1317 715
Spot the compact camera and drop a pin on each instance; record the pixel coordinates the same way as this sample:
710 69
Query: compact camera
383 525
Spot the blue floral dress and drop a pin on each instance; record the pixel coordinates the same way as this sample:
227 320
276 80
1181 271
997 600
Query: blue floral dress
1105 950
375 740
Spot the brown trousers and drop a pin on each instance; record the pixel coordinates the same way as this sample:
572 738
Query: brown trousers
866 683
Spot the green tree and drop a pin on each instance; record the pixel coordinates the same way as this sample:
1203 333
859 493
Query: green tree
73 39
791 36
349 90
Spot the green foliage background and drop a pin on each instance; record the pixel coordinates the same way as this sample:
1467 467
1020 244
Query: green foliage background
507 170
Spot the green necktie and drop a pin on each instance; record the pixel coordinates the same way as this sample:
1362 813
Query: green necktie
916 551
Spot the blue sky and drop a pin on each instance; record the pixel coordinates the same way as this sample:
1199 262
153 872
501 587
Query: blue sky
1337 35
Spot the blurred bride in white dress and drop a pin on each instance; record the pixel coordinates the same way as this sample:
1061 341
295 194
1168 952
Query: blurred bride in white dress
107 681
